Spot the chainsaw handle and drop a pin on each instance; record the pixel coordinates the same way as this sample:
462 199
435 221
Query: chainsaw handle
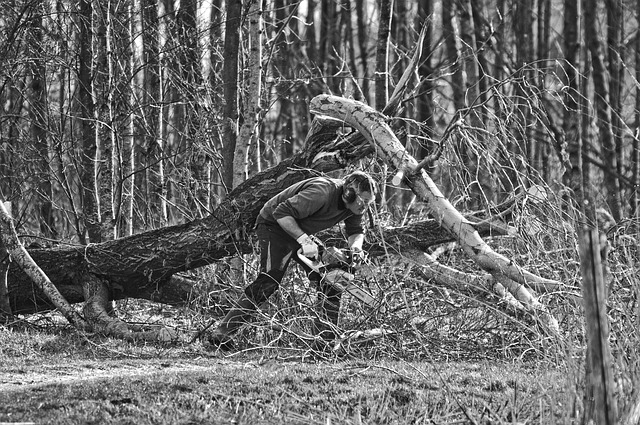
313 263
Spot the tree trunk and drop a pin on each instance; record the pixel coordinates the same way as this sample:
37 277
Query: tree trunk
469 61
5 260
424 102
145 265
603 110
372 124
523 28
248 135
38 114
635 155
542 146
363 48
103 96
600 404
572 176
382 52
91 221
230 80
615 59
9 240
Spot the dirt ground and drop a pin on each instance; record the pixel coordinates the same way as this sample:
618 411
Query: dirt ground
28 377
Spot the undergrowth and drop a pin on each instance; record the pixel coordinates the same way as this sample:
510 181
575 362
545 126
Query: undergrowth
423 325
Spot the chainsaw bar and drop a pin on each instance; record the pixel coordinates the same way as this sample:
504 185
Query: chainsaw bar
351 288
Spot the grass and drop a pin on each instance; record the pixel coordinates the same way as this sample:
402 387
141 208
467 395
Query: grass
447 355
112 382
54 374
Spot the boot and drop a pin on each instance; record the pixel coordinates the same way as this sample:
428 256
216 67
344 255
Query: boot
327 309
221 337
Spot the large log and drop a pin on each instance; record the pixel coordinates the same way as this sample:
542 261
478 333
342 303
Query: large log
68 268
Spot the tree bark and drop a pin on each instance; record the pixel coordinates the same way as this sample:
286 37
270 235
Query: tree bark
5 259
38 114
248 134
363 48
230 79
382 54
635 153
91 220
600 404
603 109
572 144
373 125
9 240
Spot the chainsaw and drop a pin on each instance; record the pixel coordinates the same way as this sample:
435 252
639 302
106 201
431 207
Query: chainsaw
335 267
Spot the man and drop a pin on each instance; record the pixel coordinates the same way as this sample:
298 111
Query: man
284 226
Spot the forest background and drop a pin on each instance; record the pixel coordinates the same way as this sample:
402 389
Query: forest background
123 117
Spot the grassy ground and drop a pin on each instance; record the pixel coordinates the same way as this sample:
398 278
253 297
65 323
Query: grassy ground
56 375
110 381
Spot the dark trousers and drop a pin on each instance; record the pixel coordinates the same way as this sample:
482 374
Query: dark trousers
277 249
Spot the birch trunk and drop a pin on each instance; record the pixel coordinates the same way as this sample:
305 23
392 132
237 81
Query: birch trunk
5 259
19 254
372 125
249 130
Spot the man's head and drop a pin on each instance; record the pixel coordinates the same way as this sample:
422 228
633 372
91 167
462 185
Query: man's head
359 192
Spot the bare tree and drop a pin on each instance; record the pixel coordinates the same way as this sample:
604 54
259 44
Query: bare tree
363 47
230 78
603 110
382 54
87 125
572 127
635 153
39 125
424 100
248 134
615 57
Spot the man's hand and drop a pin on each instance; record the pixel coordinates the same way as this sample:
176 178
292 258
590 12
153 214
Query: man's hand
309 246
358 256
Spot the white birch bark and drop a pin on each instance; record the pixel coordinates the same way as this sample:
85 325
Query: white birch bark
373 126
20 255
132 140
248 132
5 259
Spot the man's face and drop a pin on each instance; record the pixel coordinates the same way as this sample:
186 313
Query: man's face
362 201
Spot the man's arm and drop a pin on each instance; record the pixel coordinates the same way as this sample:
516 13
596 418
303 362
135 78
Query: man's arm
290 225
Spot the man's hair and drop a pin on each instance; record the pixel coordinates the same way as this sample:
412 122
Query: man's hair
362 182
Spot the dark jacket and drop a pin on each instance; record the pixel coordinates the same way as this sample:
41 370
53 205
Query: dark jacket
315 203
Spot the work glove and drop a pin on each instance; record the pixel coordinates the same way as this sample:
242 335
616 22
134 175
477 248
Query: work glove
309 246
358 256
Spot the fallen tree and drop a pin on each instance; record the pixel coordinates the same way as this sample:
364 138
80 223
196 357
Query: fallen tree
373 125
148 265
